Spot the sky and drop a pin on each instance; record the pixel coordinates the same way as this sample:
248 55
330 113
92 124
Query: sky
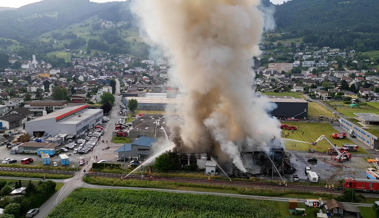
19 3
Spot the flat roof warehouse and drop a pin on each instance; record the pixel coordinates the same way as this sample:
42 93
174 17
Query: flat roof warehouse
70 120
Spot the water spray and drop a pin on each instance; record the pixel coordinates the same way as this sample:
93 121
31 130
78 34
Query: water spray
222 170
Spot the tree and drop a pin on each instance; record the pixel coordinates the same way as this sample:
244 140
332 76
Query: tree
167 161
60 93
107 97
13 208
107 107
133 105
344 85
18 184
27 97
30 189
113 84
46 85
39 94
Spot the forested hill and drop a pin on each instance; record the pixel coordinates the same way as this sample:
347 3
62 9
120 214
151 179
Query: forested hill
56 25
336 23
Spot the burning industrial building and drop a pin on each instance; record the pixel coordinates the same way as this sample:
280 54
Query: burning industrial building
210 45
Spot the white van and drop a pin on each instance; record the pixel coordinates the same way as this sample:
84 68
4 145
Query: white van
314 203
312 176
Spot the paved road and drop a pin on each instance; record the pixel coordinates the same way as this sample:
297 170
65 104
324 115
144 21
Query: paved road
77 181
32 179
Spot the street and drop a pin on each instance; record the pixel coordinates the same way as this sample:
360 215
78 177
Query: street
99 152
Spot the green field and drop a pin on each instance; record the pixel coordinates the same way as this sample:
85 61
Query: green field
60 54
372 54
128 203
317 110
349 112
311 132
290 94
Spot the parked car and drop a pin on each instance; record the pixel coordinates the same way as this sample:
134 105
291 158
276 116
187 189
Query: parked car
307 169
287 127
55 164
82 162
102 161
350 147
295 178
134 163
340 135
32 212
27 160
8 161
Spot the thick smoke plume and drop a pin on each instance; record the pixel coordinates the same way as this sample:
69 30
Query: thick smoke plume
210 44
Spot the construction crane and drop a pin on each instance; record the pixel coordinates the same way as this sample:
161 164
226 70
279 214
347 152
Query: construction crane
341 156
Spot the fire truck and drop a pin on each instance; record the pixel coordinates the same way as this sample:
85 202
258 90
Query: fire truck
341 154
367 185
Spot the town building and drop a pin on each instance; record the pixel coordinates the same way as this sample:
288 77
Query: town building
341 209
14 119
42 108
138 150
367 119
279 67
362 135
153 101
33 147
70 120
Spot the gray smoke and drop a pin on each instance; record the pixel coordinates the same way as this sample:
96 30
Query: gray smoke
209 44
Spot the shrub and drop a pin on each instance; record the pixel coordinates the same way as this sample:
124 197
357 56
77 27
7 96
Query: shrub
5 215
6 190
13 208
349 195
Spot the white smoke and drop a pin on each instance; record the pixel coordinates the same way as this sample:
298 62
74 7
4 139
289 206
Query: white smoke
209 44
268 16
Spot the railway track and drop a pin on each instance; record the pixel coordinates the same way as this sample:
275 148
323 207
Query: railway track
219 182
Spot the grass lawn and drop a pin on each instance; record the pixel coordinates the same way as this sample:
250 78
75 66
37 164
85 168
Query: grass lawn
374 104
121 140
367 212
311 132
128 203
349 112
35 175
60 54
150 112
316 110
291 94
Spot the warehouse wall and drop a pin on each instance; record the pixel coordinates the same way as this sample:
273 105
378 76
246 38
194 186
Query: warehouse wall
291 109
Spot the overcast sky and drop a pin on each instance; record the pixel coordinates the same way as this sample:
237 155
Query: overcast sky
19 3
